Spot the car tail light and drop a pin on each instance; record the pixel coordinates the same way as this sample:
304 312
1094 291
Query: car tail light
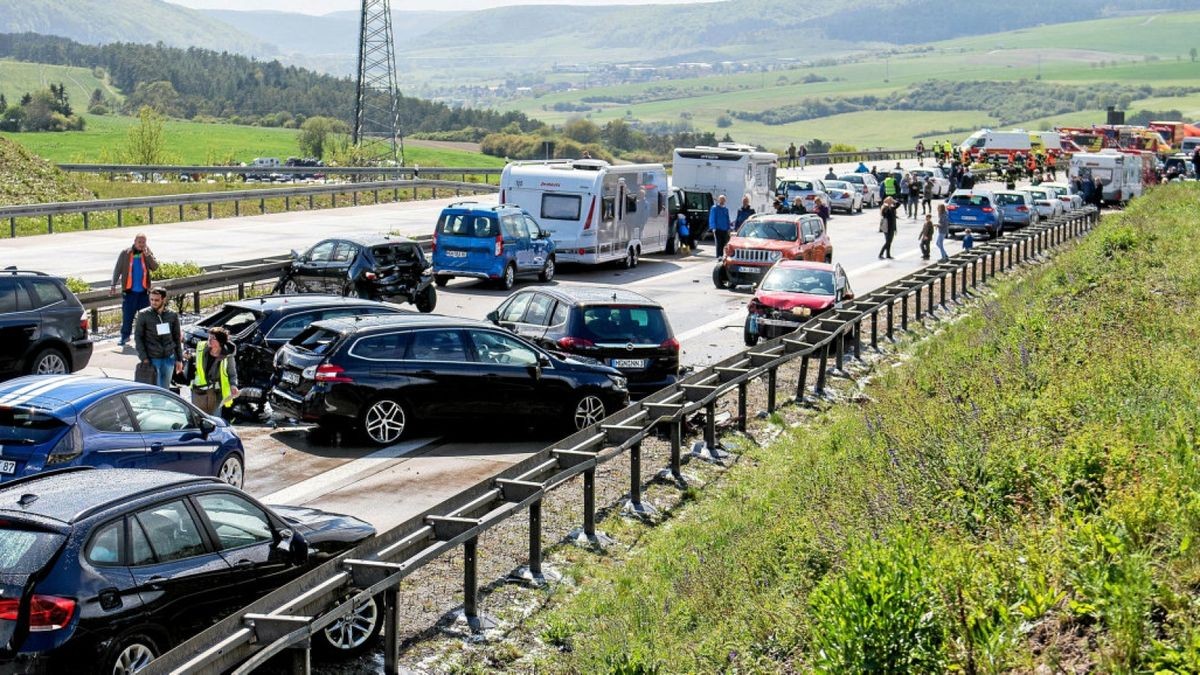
371 275
502 197
569 343
84 323
46 612
68 448
327 372
987 209
433 246
951 207
1022 209
670 343
580 252
499 245
587 225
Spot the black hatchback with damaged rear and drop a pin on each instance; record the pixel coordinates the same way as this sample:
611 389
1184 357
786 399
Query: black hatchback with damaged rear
386 374
374 267
615 326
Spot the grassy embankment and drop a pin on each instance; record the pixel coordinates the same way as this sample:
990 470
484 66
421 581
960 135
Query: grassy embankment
1025 491
1066 53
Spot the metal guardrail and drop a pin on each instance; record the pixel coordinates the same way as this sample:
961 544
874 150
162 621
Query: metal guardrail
50 210
285 619
397 172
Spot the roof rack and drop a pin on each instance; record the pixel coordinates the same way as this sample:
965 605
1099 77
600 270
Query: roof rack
12 269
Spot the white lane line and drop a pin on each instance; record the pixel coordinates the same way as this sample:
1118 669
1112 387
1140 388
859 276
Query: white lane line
734 319
334 479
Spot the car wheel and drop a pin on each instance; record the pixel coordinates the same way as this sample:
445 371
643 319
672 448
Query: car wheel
130 654
232 471
384 421
672 243
426 300
441 280
720 277
588 410
353 634
630 260
49 361
547 274
290 287
509 278
749 338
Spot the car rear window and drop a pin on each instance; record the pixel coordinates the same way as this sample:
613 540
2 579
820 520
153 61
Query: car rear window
27 426
768 228
316 340
236 320
852 179
26 550
969 200
468 225
1009 200
616 323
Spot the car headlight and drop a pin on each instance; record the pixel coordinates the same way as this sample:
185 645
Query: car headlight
619 382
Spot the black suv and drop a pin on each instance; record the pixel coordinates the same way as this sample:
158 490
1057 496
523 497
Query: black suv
618 327
259 327
375 267
384 374
43 328
104 569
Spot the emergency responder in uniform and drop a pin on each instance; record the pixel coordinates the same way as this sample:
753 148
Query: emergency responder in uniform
215 384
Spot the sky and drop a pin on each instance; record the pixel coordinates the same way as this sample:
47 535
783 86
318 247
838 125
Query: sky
326 6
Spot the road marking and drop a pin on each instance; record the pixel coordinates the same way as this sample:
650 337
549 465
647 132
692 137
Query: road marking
335 479
735 318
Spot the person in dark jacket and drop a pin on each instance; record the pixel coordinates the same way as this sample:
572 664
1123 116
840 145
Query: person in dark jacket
719 222
822 209
216 382
158 338
743 213
132 276
887 226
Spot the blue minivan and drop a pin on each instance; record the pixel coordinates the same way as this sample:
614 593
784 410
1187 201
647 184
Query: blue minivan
974 210
496 243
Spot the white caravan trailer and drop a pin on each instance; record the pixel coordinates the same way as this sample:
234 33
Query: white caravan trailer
1121 173
595 212
729 169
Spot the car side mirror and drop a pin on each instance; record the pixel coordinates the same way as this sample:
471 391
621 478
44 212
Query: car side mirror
207 426
293 545
494 317
543 234
295 255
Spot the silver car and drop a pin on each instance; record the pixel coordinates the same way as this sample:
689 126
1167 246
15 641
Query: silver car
806 189
844 196
866 184
941 184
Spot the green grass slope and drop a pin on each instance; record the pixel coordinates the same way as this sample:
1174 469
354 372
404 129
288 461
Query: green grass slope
1021 496
26 178
17 78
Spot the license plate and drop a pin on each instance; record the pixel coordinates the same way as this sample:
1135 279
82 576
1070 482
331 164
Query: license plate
8 466
290 377
456 254
969 218
749 270
629 363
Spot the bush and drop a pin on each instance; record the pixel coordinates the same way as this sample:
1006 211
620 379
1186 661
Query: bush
724 121
98 109
177 270
77 285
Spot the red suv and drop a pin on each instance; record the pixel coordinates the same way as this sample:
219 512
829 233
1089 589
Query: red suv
765 239
791 292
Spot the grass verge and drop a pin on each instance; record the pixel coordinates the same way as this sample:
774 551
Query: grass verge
1024 494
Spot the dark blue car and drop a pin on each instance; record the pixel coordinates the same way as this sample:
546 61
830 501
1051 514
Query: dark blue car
55 421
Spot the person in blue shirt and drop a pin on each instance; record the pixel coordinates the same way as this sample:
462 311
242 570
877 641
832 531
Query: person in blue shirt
743 213
862 168
719 222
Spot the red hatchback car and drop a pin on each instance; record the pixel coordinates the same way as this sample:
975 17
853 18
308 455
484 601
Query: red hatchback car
765 239
790 293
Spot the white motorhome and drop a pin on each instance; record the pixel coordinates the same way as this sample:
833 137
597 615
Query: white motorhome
595 212
1120 173
266 162
729 169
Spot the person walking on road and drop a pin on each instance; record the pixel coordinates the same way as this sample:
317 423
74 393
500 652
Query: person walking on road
926 236
791 155
132 276
743 213
920 153
822 209
158 338
216 383
927 196
943 230
718 222
905 188
802 153
887 226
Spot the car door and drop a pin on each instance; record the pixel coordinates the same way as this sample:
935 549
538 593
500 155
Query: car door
18 324
440 378
510 382
512 310
517 241
181 580
821 248
108 600
539 245
532 326
112 438
337 273
309 271
258 557
171 431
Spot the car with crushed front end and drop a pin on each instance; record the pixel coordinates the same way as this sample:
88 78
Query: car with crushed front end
790 294
374 267
386 375
764 239
103 570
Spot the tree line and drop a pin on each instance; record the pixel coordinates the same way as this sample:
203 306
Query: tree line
200 83
44 110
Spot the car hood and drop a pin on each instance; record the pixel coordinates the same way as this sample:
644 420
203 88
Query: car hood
321 526
785 300
765 244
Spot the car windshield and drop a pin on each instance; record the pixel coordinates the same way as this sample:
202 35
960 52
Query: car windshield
27 426
624 324
468 225
25 551
969 200
837 185
799 185
766 228
316 340
1058 191
793 280
1010 200
852 179
236 320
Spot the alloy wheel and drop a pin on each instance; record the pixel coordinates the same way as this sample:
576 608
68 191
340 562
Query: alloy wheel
588 411
231 471
133 658
353 631
385 421
51 364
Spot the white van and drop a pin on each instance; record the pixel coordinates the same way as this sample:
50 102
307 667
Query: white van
595 212
988 142
1189 144
729 169
1120 173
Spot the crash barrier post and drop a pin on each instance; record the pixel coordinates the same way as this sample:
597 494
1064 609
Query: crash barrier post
87 209
287 617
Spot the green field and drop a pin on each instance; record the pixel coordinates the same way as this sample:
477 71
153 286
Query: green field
18 78
197 143
1109 50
